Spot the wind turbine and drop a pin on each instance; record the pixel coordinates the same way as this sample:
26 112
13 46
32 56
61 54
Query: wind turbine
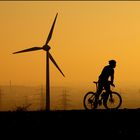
46 48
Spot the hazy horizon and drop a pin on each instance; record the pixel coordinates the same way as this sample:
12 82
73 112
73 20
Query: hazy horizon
20 96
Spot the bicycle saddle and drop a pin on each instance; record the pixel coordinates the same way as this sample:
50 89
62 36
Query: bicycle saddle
95 82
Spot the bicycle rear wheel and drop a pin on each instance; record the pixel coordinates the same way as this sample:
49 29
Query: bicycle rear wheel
89 100
114 102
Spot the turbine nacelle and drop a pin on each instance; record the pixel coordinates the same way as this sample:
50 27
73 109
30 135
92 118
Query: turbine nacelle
46 47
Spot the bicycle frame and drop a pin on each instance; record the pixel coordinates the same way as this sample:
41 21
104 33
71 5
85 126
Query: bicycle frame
96 83
103 92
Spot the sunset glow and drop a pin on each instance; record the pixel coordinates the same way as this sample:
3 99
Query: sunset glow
86 35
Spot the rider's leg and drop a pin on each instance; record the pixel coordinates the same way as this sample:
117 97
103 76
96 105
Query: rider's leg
108 90
99 90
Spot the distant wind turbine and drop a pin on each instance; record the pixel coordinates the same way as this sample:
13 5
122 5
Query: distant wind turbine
46 48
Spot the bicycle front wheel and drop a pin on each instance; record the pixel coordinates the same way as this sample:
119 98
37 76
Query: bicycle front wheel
89 100
114 102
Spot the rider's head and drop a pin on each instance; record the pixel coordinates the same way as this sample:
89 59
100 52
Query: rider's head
112 63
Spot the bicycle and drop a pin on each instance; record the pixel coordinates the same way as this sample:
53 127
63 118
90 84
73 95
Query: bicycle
109 101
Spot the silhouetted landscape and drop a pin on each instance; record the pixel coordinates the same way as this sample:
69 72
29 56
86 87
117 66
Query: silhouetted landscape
73 123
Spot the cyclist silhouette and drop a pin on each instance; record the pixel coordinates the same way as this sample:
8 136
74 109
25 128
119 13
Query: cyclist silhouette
104 82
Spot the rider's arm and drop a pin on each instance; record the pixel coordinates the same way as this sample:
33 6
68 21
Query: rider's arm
112 78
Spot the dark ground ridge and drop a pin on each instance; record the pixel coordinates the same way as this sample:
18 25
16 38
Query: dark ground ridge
121 122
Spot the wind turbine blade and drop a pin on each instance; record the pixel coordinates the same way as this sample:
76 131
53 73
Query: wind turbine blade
52 59
51 31
28 50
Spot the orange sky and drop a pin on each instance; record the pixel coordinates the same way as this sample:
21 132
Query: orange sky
85 37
